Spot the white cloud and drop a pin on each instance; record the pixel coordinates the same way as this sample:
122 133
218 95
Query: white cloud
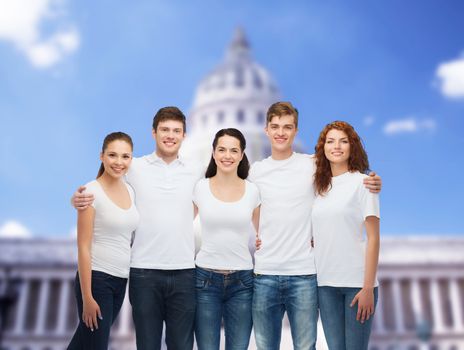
14 229
409 125
369 120
451 78
20 23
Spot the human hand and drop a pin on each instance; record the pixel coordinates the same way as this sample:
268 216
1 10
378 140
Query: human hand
81 200
373 182
90 312
365 300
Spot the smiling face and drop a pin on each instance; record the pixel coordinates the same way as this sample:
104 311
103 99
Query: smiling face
281 132
227 154
337 147
116 158
168 135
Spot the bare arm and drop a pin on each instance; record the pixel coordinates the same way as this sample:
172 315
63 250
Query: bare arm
81 200
365 297
373 182
91 309
255 219
195 210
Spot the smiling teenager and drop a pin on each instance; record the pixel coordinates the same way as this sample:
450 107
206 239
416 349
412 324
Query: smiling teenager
227 204
346 261
161 281
104 231
285 271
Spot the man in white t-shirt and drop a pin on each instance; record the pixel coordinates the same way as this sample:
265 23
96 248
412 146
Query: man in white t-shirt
161 281
285 273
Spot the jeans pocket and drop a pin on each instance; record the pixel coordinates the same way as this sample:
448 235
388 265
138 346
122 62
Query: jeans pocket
201 283
247 280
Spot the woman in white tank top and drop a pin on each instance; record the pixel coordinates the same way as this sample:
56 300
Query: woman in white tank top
104 232
228 206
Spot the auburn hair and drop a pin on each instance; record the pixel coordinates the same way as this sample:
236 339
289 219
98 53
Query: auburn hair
357 161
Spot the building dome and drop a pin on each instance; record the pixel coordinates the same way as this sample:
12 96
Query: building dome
236 94
236 83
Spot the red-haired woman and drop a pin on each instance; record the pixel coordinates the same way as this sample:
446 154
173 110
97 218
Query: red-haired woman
346 259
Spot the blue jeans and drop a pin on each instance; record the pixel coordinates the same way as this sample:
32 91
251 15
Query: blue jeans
108 291
225 297
342 330
159 296
273 295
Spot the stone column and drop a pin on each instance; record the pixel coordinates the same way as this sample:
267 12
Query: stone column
22 305
456 306
398 305
379 314
416 300
63 307
42 306
435 299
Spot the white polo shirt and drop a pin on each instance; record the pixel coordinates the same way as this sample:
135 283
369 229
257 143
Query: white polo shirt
163 196
287 196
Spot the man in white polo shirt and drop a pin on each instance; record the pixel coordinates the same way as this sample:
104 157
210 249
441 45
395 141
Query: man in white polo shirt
285 273
161 282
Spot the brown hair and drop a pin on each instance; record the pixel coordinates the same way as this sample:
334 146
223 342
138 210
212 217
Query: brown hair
114 136
169 113
356 162
280 109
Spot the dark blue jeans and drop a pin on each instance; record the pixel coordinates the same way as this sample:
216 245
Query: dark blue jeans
225 297
342 330
273 295
159 296
108 291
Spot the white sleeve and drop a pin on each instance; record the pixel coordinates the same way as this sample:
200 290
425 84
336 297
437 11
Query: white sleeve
196 193
369 202
91 188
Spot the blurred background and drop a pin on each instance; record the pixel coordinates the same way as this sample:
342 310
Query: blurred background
71 72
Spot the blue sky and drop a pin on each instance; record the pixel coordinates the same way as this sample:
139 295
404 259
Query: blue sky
70 73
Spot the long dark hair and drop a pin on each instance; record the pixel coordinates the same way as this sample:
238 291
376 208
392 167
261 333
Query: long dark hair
114 136
357 161
243 166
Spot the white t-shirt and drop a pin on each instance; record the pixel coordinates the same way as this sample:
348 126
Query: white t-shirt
337 220
226 228
112 232
287 195
164 238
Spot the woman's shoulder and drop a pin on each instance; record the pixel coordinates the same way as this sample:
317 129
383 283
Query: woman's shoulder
251 187
92 187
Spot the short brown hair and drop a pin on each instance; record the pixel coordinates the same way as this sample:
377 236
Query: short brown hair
169 113
280 109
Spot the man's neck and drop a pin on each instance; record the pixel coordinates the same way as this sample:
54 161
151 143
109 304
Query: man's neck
168 159
281 155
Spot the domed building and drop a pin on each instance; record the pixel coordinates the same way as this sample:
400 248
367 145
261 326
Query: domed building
235 94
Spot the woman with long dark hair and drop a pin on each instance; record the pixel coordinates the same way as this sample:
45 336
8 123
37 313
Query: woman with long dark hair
346 259
228 204
104 232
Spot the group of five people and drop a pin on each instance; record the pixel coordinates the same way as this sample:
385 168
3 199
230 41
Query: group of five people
308 213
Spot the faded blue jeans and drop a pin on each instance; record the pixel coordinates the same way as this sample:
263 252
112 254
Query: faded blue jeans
342 330
223 297
273 295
